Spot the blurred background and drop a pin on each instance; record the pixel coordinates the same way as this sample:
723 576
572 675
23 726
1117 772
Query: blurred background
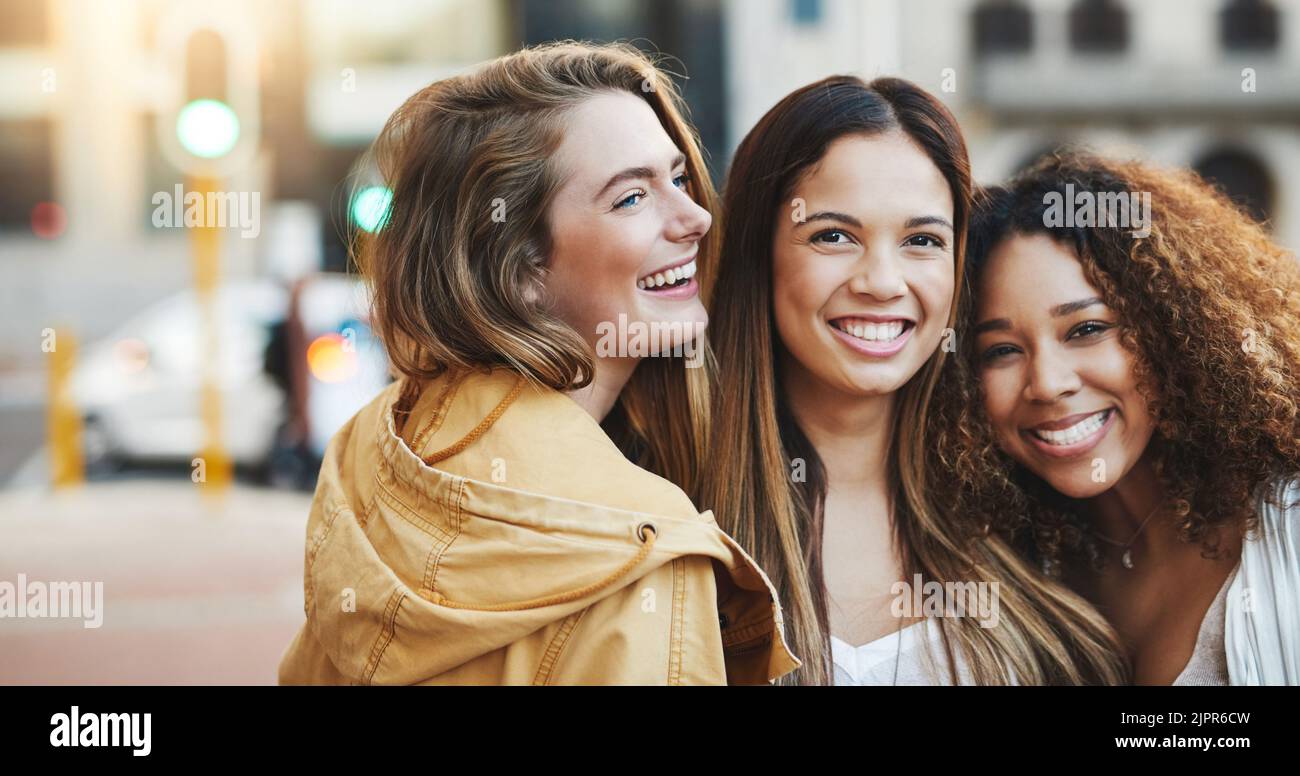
167 390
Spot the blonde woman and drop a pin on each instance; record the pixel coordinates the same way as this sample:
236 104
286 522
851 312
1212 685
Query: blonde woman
485 519
847 208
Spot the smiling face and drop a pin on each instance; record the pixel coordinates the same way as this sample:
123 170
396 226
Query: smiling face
1058 386
862 288
625 232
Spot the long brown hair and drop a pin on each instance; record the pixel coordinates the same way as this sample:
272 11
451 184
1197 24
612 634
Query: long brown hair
455 287
1208 306
1046 633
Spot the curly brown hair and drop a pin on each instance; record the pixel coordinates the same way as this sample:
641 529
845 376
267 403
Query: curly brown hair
1208 305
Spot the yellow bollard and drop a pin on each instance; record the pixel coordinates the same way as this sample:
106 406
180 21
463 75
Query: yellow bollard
214 469
62 420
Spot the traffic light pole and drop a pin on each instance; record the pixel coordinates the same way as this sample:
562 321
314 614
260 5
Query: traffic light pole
213 467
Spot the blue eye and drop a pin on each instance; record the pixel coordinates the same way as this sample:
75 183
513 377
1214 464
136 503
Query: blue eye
630 200
685 178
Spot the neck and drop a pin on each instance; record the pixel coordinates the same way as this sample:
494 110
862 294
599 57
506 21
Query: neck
608 381
851 433
1127 510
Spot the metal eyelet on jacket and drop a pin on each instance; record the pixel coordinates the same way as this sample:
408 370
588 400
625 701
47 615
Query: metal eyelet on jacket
640 530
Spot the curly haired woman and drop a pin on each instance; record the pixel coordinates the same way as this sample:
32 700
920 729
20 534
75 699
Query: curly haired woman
1125 410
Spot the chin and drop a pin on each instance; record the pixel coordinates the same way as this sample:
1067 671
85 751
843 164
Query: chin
1076 486
872 382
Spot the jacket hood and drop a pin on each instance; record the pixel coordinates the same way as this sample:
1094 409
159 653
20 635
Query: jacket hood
461 565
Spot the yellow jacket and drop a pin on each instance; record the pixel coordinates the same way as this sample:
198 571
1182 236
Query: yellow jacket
535 553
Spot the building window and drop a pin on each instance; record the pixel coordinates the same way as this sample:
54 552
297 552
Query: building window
1098 27
1248 25
1243 177
27 168
1002 27
690 30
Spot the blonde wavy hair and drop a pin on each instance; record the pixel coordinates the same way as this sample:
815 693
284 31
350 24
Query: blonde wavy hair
454 288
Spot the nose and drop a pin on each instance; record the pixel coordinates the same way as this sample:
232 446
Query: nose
1051 377
689 221
878 274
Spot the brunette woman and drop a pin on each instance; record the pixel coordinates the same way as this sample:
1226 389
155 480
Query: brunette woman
847 207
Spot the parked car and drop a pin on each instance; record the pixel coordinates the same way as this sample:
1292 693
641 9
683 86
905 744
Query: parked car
139 388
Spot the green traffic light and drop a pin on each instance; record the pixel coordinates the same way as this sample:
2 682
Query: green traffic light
370 207
207 128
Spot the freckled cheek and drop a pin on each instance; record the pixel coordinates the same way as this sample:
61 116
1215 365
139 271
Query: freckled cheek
588 279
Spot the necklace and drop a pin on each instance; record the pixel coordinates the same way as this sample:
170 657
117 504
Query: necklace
1127 557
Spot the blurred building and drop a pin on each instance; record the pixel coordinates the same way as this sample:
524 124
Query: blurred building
84 86
1209 84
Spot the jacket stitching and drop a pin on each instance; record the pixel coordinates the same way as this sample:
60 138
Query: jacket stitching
675 638
412 515
551 657
434 561
370 507
442 404
744 633
385 634
322 533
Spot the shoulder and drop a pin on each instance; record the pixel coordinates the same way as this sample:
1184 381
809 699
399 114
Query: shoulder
1279 512
503 429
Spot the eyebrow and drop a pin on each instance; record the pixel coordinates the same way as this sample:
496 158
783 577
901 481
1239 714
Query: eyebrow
1058 311
911 223
916 221
829 215
1074 307
635 173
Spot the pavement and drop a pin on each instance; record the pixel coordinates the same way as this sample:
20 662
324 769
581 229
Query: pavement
197 588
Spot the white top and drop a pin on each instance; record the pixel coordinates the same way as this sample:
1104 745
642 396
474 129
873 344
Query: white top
1259 604
1262 621
1208 664
873 663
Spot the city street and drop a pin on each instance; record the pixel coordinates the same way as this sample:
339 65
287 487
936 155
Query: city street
197 589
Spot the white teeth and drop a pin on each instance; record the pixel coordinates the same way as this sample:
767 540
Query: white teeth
874 332
1076 433
668 276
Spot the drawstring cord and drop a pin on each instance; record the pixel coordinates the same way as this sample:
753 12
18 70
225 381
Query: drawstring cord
478 430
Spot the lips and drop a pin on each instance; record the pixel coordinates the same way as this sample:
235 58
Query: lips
1072 434
875 336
